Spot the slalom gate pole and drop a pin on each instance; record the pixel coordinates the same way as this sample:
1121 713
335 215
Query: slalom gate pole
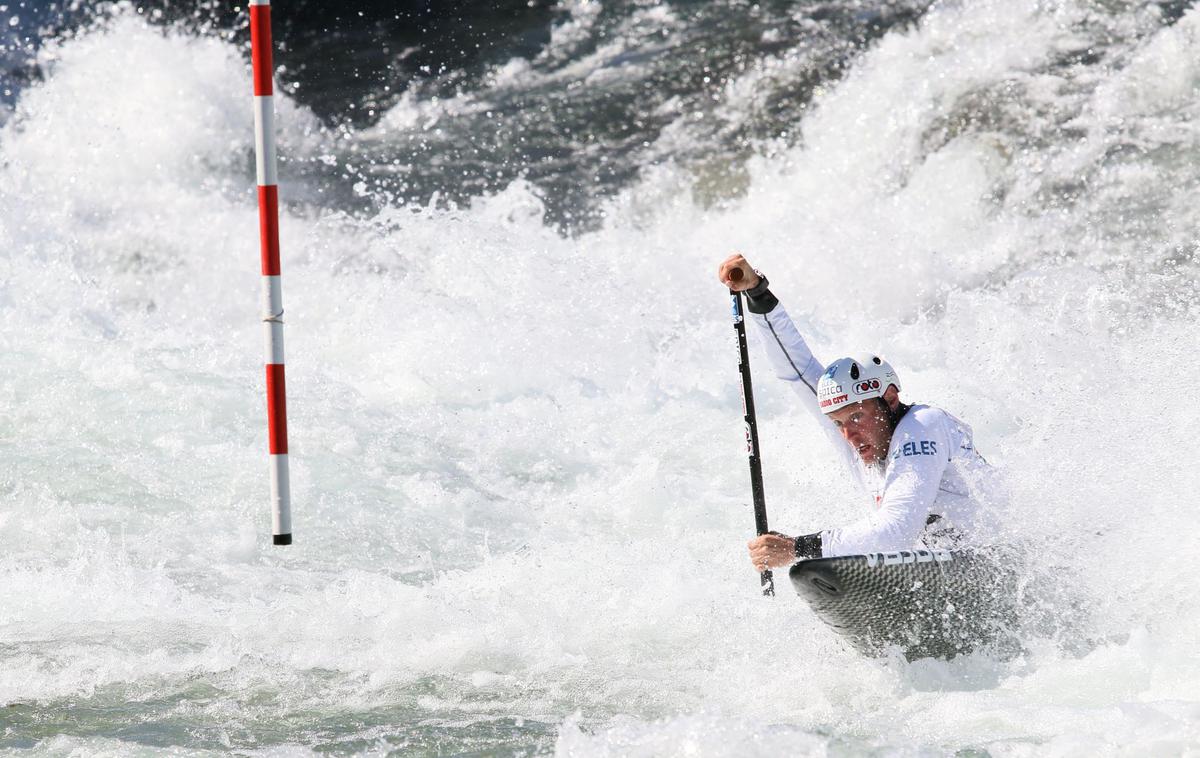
272 297
751 421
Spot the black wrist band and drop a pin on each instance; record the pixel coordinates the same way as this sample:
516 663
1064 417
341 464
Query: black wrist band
808 545
758 289
758 298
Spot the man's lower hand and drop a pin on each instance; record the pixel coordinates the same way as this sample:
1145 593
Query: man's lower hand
769 551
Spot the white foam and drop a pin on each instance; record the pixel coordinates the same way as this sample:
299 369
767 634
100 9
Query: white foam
518 480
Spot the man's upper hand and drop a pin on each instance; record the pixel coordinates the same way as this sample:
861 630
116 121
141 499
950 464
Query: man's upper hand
749 279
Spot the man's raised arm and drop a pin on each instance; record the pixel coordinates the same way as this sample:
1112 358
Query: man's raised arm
789 354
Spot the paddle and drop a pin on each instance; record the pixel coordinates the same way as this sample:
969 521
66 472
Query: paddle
756 483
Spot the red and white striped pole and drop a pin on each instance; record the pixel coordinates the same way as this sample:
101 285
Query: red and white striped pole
272 300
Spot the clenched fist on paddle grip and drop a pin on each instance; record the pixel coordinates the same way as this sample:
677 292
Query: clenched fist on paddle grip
772 550
736 274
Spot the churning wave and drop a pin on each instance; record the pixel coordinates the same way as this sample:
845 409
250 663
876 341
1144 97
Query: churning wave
518 477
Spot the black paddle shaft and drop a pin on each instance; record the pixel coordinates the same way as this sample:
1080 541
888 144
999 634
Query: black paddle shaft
756 480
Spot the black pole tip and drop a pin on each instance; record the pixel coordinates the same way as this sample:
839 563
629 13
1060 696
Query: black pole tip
283 539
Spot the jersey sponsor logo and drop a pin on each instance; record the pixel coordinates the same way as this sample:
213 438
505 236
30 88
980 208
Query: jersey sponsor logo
834 400
901 557
863 387
922 447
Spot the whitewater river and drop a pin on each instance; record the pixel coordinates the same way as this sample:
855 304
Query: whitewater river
520 490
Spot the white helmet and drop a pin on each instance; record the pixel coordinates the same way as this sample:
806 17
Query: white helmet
852 380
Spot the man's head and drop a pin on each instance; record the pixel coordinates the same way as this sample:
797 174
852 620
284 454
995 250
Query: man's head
861 395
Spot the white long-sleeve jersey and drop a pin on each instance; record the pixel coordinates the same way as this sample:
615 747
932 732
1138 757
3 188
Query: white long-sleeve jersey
927 494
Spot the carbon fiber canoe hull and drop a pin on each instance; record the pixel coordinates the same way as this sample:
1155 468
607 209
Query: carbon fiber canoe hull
929 603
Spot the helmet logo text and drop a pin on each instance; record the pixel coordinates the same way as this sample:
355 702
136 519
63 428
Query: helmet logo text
866 386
